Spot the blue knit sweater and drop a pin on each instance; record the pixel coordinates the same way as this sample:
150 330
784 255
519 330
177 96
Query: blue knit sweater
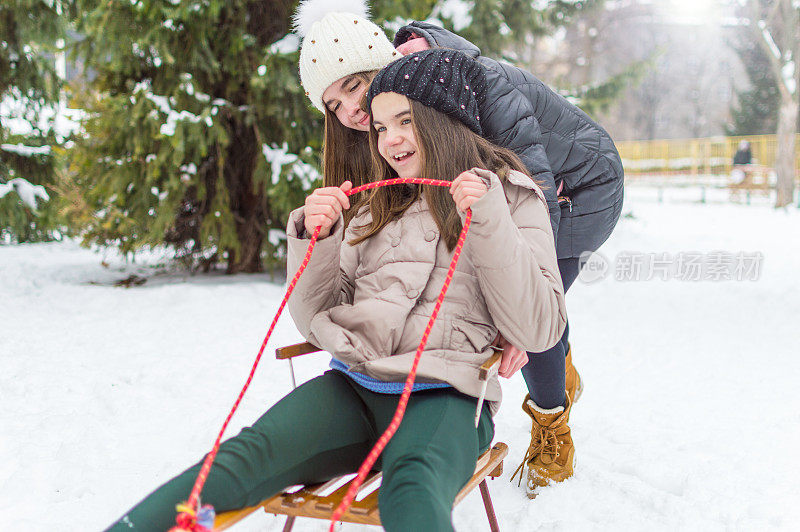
377 386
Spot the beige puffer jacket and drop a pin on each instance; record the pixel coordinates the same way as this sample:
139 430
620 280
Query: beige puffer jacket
368 305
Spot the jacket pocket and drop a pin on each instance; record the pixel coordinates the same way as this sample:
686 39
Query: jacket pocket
471 337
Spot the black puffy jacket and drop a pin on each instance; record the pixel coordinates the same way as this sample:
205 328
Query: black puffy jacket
559 144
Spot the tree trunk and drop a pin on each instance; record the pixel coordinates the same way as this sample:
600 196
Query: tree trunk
267 22
776 26
248 205
786 149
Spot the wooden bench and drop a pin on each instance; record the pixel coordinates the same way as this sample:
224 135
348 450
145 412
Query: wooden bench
318 501
756 179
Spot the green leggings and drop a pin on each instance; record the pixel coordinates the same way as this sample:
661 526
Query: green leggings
324 429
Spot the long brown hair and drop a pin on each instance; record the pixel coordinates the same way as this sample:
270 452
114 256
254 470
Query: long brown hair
447 148
346 154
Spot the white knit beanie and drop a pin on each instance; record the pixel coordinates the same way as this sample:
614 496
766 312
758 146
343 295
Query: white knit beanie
338 40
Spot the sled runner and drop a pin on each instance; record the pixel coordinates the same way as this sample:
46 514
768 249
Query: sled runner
315 501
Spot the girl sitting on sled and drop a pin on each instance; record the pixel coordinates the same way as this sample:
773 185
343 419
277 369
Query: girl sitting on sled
367 294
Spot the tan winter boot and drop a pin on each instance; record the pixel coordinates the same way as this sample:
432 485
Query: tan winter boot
551 453
572 378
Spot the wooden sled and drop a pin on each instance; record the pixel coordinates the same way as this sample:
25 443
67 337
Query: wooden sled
314 501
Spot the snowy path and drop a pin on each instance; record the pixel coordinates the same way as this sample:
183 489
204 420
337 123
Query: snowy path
688 421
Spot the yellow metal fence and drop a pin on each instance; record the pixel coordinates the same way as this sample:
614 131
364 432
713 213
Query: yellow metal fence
694 158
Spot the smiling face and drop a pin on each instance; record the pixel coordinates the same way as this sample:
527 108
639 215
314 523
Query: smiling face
397 144
343 98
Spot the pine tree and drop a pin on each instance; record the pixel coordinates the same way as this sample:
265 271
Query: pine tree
399 11
29 96
755 110
200 136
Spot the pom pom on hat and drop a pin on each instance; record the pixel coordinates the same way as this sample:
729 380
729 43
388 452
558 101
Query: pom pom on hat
311 11
337 43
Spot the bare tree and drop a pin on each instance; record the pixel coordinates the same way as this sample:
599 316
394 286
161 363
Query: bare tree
776 25
689 72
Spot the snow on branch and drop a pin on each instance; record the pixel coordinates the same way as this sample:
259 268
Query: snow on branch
785 61
280 157
25 151
456 10
289 44
787 73
187 87
58 118
173 116
767 36
26 191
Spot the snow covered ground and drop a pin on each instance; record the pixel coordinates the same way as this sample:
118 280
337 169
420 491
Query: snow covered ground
688 420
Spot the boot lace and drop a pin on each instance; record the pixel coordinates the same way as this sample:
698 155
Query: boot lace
544 441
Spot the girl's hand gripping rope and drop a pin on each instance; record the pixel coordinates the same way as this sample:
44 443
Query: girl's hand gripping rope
466 189
323 207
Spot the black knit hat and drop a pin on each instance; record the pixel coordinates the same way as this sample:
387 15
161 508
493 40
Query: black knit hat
445 80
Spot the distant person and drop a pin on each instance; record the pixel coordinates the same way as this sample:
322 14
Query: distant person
741 158
743 154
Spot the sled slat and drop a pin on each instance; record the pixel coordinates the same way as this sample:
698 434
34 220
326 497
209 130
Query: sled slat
487 366
487 464
291 351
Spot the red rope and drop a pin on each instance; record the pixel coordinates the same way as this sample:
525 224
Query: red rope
399 181
187 516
